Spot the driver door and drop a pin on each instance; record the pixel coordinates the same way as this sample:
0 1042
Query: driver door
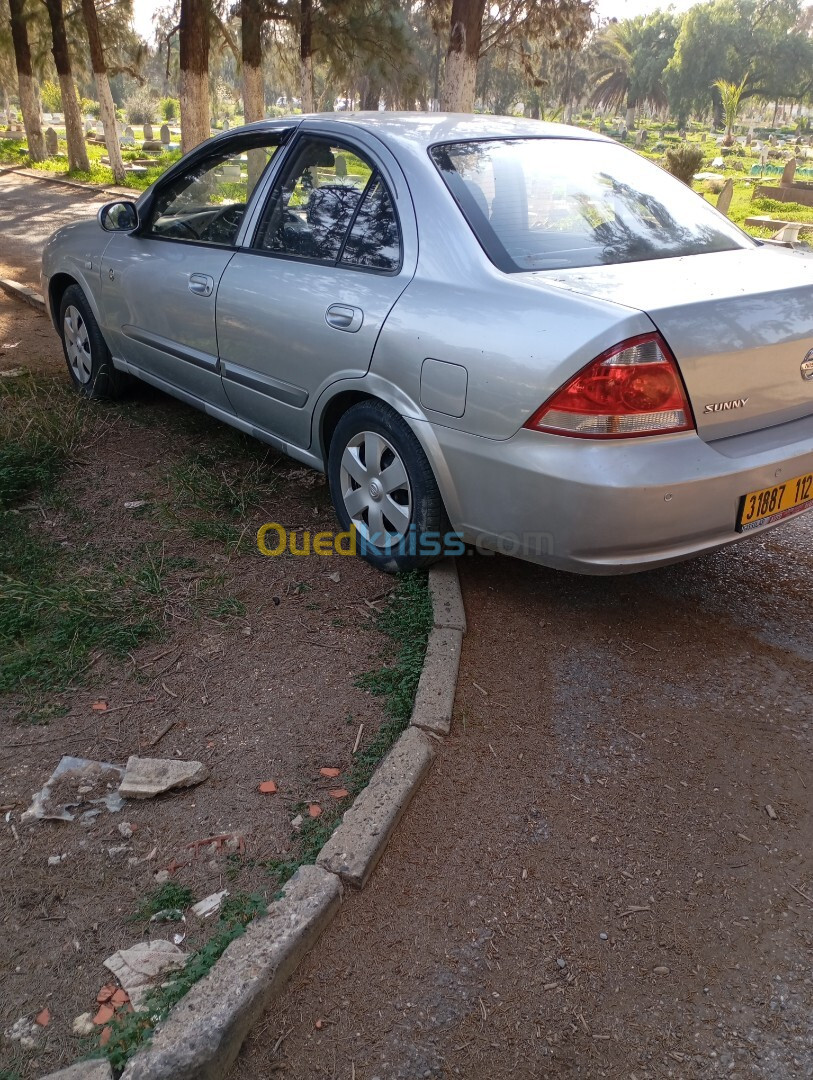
159 285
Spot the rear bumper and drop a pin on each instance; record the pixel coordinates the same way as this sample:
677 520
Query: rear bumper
608 507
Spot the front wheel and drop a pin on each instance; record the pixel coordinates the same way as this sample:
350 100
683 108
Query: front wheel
382 485
90 365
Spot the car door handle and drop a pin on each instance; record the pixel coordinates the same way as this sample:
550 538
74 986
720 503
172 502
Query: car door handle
344 317
201 284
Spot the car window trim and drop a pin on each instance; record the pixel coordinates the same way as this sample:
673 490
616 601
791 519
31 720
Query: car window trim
218 144
365 155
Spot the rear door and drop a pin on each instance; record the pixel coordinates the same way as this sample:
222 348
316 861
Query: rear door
159 286
302 304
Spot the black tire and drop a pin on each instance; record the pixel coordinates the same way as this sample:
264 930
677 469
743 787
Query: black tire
416 506
90 365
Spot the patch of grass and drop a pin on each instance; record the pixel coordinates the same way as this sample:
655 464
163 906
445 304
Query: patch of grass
164 898
11 154
406 620
213 495
204 484
227 607
129 1031
56 610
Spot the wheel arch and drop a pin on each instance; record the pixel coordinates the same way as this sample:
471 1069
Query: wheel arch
331 408
57 287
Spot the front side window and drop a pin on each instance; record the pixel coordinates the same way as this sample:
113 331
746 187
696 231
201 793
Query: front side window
550 204
206 203
331 206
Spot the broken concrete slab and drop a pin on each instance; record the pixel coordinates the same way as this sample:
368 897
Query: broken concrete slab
74 782
434 701
140 967
358 843
202 1035
144 778
209 904
96 1069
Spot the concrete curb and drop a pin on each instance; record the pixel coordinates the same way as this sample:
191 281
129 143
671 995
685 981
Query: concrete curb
81 185
21 292
358 843
202 1035
434 701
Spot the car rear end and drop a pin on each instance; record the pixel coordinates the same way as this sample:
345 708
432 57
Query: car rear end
681 437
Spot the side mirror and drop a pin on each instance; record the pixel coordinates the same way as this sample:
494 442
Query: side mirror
118 217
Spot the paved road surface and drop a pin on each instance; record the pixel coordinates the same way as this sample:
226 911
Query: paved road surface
30 210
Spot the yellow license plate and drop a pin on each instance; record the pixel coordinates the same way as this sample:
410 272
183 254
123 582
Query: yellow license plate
775 503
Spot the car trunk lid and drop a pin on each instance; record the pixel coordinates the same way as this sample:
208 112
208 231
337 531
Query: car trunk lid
740 324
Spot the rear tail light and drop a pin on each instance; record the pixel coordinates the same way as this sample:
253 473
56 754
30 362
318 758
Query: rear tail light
632 389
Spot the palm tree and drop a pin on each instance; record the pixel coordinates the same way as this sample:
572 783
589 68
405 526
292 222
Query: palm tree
730 95
632 57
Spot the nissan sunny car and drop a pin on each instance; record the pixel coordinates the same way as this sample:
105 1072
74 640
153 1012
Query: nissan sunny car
486 330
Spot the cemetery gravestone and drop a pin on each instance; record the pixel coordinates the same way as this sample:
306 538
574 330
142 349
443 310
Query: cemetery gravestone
724 201
51 142
788 173
165 136
148 132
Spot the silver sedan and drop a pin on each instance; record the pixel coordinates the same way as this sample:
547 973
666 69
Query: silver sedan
487 331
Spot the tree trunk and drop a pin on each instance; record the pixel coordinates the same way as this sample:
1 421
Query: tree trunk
29 99
306 54
465 35
630 117
371 95
77 150
194 56
106 107
251 14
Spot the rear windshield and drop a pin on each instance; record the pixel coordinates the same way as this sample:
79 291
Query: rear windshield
550 204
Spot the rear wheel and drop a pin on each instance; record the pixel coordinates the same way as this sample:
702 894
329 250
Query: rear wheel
90 365
382 485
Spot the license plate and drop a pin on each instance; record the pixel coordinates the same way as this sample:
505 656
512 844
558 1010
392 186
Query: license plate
775 503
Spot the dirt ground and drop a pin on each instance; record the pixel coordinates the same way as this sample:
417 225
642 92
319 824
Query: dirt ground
253 674
590 883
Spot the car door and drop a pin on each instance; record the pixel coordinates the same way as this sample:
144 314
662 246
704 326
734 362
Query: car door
159 284
302 304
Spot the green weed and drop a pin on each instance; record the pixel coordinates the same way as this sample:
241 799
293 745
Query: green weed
164 898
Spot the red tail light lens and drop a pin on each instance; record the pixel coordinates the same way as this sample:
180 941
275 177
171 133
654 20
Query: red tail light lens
632 389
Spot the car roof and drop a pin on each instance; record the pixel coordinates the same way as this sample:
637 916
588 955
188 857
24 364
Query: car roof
422 129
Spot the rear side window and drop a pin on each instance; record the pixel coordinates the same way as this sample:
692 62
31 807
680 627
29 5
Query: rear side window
374 241
331 206
551 204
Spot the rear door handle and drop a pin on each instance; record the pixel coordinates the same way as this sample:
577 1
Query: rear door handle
344 317
201 284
